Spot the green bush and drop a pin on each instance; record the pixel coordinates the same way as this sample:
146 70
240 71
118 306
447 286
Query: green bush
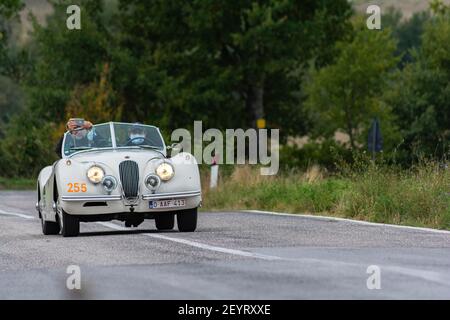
27 147
325 154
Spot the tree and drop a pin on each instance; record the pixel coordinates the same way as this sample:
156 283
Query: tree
420 98
226 62
8 12
65 58
97 101
171 62
408 33
11 99
8 8
345 95
67 67
27 147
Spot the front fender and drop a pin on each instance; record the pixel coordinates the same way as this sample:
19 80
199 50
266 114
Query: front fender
186 178
71 172
45 187
44 176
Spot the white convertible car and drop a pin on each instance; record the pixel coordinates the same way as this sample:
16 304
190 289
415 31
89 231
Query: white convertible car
118 171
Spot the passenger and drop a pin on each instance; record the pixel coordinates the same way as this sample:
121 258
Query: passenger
79 133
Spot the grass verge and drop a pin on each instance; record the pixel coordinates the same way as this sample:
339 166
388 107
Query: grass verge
415 197
17 184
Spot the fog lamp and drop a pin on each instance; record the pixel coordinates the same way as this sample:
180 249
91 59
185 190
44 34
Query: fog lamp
109 183
152 182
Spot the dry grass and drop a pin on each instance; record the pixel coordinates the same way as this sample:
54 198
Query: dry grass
419 197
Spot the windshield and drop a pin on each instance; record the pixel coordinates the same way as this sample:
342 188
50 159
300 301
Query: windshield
126 135
98 137
129 135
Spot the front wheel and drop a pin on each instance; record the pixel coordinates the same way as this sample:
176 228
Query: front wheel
187 220
70 226
49 227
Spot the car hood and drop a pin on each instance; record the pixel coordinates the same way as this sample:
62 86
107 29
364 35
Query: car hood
74 169
113 157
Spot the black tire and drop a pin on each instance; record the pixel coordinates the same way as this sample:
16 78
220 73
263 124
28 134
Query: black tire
49 227
165 221
187 220
70 225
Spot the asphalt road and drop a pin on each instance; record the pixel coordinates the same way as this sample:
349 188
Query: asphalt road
233 255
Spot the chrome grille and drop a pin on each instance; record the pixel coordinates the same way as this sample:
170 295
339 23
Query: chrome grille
129 176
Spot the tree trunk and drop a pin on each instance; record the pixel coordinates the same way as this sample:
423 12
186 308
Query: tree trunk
349 121
256 102
350 134
255 109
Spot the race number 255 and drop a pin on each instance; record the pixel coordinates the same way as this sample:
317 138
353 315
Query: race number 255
76 187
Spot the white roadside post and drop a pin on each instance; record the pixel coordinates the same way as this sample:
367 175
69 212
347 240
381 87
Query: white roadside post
214 174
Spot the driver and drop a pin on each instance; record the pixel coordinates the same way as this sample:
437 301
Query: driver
136 135
78 129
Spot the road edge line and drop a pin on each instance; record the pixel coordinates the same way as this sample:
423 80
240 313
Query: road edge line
318 217
14 214
196 244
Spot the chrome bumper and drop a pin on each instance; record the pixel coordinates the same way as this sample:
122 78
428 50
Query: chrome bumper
155 196
90 198
175 195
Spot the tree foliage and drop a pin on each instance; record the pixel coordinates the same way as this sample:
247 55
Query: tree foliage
344 96
64 59
421 96
8 12
225 62
304 66
96 101
407 32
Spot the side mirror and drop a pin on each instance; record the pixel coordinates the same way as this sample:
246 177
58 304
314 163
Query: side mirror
175 146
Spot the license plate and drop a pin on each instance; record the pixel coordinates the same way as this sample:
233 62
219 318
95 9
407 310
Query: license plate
170 203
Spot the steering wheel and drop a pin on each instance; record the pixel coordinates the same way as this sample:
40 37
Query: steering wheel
145 141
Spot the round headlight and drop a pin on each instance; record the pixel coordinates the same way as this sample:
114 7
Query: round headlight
165 171
95 174
152 182
109 183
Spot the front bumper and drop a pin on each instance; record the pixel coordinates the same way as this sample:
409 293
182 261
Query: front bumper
106 204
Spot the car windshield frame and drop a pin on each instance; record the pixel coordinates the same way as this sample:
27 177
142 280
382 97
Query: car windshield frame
114 146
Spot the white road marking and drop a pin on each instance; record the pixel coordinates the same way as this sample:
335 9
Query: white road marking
197 244
416 273
21 215
215 248
347 220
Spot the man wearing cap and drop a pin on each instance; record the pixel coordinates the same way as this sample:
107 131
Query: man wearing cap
136 135
78 129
